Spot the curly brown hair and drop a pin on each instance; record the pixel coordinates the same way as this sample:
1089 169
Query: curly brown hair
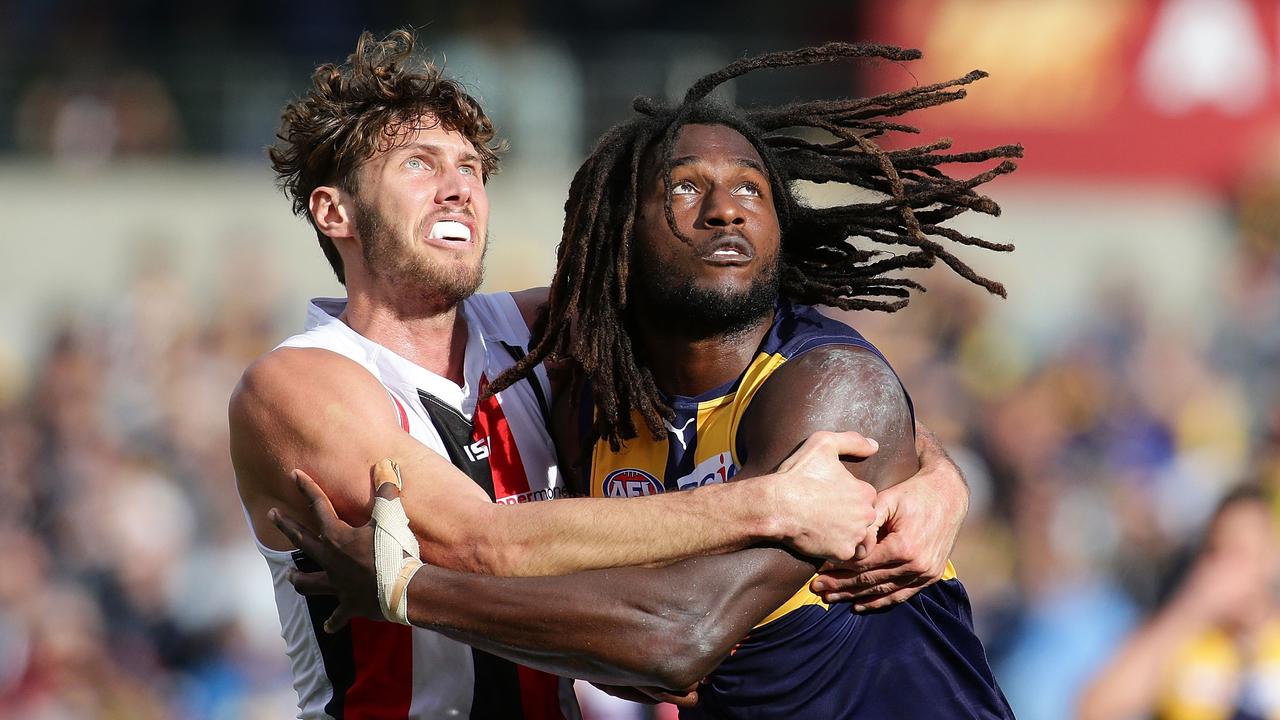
365 107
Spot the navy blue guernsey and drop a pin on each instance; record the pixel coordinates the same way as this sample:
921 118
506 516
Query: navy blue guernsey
919 659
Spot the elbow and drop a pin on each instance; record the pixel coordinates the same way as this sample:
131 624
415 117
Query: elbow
689 652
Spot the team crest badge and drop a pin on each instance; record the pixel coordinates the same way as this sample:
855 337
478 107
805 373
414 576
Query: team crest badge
631 482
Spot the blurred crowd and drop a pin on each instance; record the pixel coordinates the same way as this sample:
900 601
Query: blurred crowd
130 587
1097 459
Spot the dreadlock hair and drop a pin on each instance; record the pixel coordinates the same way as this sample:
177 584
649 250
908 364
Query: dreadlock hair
585 318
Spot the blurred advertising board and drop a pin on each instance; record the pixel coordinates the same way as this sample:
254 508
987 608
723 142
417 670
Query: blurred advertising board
1176 90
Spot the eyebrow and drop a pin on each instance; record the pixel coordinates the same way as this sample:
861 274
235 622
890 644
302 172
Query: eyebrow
468 156
740 162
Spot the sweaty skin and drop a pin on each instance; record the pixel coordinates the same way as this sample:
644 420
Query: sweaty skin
318 411
343 422
664 627
670 626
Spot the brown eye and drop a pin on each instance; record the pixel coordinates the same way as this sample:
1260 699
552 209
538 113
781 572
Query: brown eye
683 188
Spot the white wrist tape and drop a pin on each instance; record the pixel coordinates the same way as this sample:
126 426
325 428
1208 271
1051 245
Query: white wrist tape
395 558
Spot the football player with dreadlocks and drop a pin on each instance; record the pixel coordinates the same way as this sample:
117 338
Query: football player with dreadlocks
682 299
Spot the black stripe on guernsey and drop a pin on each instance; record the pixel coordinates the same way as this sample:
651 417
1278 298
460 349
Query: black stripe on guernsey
682 444
518 354
496 692
455 432
335 648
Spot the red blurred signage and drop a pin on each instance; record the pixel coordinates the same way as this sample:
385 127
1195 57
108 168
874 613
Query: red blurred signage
1174 89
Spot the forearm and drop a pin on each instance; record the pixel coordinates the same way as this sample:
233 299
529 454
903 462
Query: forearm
664 627
576 534
936 462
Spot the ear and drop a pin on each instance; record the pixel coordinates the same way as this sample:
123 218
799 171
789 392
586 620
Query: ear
329 209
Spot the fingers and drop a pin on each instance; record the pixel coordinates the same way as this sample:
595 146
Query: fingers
312 583
852 444
387 482
869 543
883 510
685 698
887 551
853 581
317 502
888 601
839 585
302 538
337 620
627 693
826 443
870 591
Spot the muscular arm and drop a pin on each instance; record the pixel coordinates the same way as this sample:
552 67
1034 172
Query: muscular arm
318 411
670 626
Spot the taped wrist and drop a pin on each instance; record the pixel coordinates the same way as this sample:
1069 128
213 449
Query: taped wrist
395 558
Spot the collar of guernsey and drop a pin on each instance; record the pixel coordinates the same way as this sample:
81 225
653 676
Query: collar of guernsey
701 448
326 312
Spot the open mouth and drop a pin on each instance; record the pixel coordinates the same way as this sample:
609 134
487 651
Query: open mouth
727 250
450 231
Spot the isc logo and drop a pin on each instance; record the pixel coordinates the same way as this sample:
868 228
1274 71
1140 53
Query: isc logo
630 482
478 450
715 469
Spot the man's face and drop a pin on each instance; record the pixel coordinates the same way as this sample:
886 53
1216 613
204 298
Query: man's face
726 277
422 214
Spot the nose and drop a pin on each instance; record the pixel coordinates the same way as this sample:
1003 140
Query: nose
454 189
721 209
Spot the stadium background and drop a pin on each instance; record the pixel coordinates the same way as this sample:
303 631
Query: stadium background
1100 411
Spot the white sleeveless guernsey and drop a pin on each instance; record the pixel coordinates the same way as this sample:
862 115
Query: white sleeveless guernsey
386 671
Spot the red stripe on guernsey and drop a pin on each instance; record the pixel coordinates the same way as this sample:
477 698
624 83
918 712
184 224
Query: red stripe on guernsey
539 691
383 656
490 426
539 694
404 416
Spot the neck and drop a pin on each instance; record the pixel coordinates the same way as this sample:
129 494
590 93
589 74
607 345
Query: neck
431 336
693 365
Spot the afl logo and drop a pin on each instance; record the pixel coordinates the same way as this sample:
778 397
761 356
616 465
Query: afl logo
630 482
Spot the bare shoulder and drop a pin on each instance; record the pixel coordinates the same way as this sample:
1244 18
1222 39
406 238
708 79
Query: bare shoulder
531 303
837 388
298 381
311 409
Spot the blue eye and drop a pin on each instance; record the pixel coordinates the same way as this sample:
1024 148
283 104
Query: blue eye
415 164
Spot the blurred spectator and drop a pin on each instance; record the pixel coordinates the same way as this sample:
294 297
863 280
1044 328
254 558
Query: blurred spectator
89 120
1212 650
127 589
